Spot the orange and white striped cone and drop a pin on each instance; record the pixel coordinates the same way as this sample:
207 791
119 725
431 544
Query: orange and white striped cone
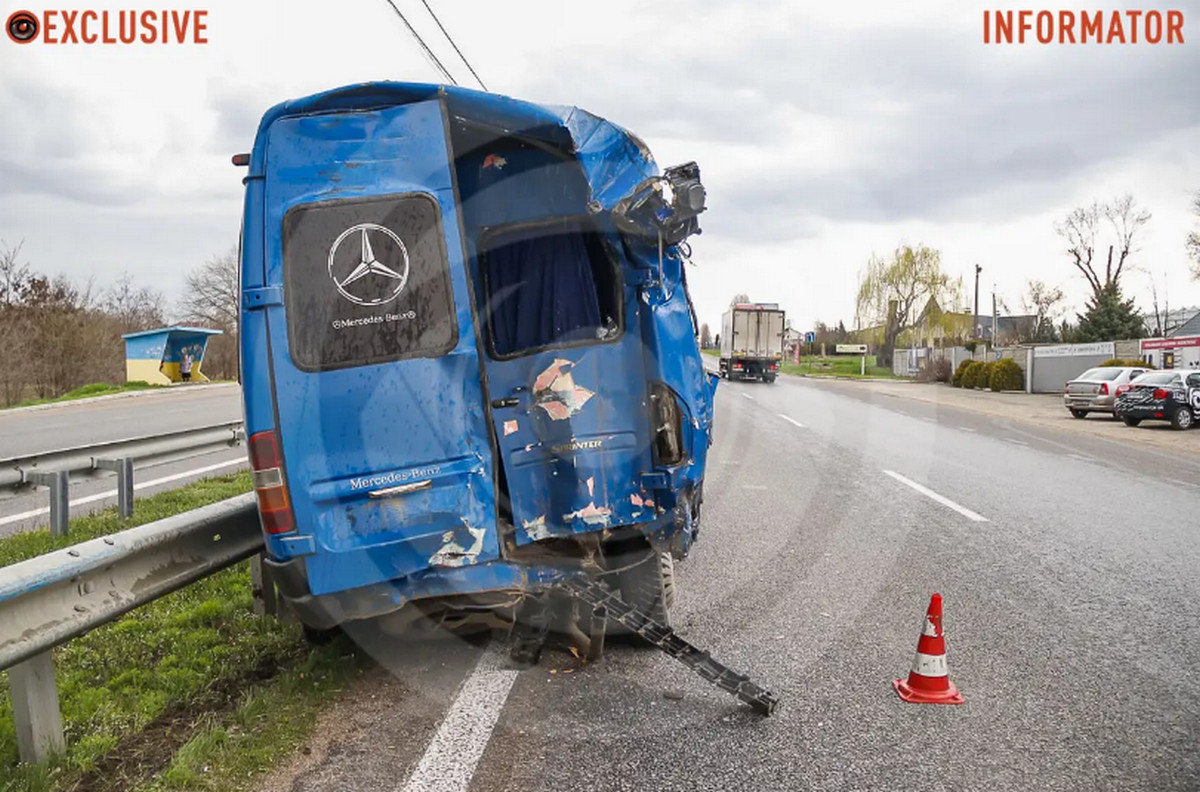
929 682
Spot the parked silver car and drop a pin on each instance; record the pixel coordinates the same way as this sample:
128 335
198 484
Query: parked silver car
1096 390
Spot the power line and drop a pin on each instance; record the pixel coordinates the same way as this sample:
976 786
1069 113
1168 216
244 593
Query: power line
452 44
425 47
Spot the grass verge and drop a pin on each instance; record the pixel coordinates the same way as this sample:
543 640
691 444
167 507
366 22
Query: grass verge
192 691
839 367
90 390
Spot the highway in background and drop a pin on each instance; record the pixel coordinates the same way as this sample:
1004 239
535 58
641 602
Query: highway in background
70 424
1069 571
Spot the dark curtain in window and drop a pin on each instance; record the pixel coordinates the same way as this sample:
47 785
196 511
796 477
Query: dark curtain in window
542 292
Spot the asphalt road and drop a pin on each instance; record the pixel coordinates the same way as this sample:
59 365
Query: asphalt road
71 424
1072 605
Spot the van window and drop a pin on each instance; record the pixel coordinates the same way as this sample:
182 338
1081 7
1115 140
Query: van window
549 284
366 281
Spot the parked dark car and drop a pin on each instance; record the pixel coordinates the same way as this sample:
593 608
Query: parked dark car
1162 396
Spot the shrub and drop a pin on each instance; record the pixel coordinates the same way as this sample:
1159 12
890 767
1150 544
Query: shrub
1118 363
957 376
1006 375
970 374
984 378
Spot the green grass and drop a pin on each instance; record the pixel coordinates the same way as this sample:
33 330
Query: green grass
88 391
147 509
838 366
713 352
190 691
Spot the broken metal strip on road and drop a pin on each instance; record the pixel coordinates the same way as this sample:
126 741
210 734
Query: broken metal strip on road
598 595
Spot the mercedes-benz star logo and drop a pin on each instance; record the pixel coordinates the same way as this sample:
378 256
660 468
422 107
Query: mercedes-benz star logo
363 278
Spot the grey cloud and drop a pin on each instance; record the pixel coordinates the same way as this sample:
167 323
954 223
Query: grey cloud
965 121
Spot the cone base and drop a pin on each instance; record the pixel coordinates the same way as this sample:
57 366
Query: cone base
914 696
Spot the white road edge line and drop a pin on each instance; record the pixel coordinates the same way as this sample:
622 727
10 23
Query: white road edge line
12 518
747 396
963 510
450 759
966 429
1015 442
792 421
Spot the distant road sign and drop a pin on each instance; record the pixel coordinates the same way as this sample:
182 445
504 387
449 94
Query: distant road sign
810 337
851 349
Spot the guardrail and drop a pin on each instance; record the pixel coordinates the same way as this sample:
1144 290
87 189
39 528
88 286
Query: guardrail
61 595
53 469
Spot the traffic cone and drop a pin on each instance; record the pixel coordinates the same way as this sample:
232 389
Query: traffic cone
929 682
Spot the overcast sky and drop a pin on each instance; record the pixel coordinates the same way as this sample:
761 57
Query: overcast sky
825 132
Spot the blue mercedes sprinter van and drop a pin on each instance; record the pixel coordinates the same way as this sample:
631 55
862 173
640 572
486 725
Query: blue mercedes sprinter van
469 359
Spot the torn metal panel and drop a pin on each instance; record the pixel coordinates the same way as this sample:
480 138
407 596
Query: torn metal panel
453 554
556 393
590 514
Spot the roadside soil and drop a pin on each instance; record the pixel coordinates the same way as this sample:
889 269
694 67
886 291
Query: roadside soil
1037 409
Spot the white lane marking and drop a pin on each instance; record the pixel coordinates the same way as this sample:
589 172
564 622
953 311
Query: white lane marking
12 518
1082 457
449 762
963 510
966 429
792 421
747 396
1183 483
1015 442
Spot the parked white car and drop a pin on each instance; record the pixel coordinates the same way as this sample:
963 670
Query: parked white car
1096 390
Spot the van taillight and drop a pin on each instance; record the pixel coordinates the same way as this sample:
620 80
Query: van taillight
668 425
274 506
1103 388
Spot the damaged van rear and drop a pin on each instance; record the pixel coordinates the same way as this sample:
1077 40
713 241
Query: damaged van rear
469 359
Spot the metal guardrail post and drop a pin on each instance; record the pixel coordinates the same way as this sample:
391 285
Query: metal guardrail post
123 467
59 482
36 714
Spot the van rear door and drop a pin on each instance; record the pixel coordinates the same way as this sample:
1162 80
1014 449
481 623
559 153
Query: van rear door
377 386
566 373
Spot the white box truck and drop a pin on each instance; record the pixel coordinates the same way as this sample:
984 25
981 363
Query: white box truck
752 341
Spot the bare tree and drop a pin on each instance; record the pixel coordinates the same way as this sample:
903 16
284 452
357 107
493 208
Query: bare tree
134 309
1044 303
1193 239
1082 231
211 293
211 296
705 336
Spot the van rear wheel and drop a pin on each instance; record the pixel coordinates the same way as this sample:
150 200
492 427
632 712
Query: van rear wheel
646 580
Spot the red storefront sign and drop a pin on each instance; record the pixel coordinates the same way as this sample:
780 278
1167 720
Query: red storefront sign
1170 343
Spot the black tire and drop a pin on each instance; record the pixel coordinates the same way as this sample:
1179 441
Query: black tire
769 380
315 637
1132 421
1079 413
646 581
1182 418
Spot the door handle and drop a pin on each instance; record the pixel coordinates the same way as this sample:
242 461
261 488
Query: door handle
511 401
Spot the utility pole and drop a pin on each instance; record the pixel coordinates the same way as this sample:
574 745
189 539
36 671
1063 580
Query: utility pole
995 321
975 318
